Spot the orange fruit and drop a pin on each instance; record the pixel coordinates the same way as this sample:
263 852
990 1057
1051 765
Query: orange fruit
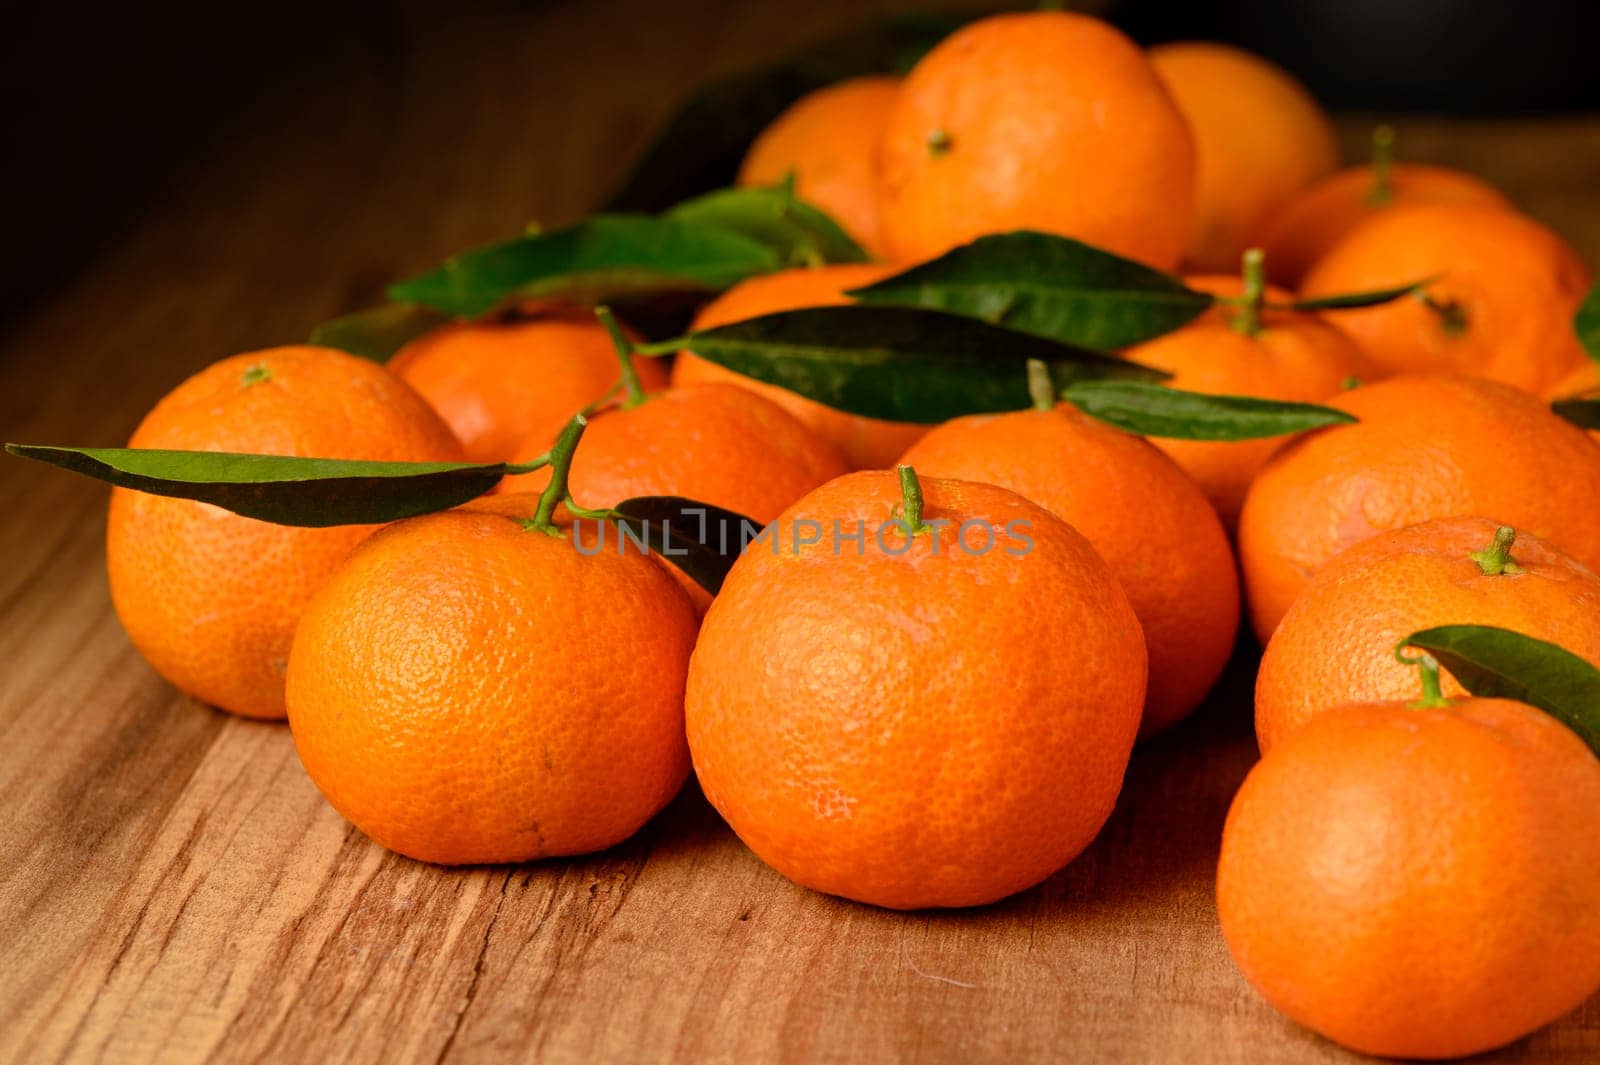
1418 883
468 689
1046 121
828 140
1259 136
864 442
1501 308
1293 357
1302 230
211 598
1582 380
1425 447
1332 647
719 444
913 725
495 382
1143 515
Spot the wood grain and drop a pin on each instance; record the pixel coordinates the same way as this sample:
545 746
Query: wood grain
173 888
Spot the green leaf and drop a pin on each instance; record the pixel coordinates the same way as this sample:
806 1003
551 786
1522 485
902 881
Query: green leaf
280 489
1346 301
703 144
595 260
900 363
377 333
1049 286
1580 411
1496 663
798 233
701 540
1155 410
1586 323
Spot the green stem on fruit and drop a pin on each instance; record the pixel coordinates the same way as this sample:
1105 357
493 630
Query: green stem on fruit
1496 558
1041 386
632 390
1428 667
1382 190
1247 319
555 492
938 142
911 501
1452 316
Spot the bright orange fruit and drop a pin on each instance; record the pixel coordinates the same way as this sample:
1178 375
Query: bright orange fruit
1260 138
1418 883
1302 230
468 689
910 725
828 140
1048 121
211 598
1501 306
1332 647
496 382
1293 357
1144 516
720 444
1425 447
1582 380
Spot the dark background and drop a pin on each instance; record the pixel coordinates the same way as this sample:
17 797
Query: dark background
105 104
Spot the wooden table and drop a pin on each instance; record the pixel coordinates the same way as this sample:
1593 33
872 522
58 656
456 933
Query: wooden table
172 886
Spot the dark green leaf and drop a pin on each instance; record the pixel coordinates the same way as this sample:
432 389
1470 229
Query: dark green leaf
1496 663
378 333
1154 410
1587 323
798 233
701 147
1047 285
1346 301
280 489
598 259
901 363
702 540
1582 412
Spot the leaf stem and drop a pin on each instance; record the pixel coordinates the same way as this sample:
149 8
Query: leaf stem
517 469
1428 667
600 514
560 466
911 501
1496 558
1382 190
633 391
1041 386
1248 318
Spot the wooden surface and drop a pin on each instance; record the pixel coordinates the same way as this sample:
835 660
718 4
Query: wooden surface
173 888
